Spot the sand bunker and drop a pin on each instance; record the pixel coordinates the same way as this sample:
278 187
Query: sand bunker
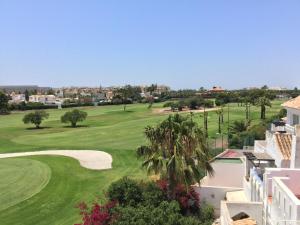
91 159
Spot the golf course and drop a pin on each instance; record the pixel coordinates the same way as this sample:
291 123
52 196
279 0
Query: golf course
45 189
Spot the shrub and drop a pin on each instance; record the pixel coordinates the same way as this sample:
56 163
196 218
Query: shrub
126 192
209 103
207 213
98 214
188 199
168 104
167 213
152 194
4 103
147 203
76 104
31 106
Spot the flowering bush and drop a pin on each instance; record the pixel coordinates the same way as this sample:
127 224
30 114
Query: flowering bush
137 203
188 199
98 215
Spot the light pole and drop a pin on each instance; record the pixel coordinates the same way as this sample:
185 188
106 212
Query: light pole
228 125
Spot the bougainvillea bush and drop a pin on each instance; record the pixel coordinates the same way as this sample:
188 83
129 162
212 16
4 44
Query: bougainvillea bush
142 203
98 214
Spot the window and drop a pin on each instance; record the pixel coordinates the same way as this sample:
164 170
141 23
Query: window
295 119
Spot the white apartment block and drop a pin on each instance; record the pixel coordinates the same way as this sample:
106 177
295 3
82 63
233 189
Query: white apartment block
44 99
265 188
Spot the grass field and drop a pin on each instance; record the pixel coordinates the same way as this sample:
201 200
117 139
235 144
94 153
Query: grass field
45 189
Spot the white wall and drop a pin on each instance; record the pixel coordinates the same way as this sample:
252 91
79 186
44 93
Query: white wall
214 195
230 209
284 203
282 185
290 113
225 175
295 155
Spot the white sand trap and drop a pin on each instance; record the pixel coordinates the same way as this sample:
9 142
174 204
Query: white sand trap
91 159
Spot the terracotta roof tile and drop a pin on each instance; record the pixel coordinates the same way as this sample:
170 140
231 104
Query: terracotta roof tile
293 103
284 143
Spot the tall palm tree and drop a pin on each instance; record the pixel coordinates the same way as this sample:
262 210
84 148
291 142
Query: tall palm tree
247 102
220 113
263 102
177 151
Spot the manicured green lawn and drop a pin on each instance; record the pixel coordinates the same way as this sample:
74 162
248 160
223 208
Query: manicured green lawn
107 128
22 179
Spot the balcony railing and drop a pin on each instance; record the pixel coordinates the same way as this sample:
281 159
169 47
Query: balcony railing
260 146
290 129
282 222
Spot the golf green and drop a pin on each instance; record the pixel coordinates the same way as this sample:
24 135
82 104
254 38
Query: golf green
22 179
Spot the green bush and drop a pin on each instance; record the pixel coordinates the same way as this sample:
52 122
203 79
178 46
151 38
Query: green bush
167 213
152 194
126 191
207 213
146 204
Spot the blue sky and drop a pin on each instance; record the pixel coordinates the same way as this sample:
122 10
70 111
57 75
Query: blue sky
184 44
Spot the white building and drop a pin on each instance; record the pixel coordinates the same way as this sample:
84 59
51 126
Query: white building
17 98
44 99
270 190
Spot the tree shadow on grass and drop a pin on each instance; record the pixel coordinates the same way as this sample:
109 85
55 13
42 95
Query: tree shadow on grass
128 111
77 126
40 128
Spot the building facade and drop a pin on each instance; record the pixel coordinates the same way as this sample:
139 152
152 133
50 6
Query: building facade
270 189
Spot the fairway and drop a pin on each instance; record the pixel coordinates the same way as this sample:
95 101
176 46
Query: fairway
53 185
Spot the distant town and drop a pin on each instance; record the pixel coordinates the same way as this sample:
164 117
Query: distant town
102 95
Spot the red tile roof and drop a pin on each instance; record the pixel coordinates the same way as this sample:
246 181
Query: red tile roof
247 221
284 143
293 103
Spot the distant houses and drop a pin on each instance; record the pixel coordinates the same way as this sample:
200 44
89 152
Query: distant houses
81 95
17 98
44 99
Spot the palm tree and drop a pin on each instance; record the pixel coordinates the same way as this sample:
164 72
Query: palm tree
205 117
177 151
263 102
220 113
247 102
239 126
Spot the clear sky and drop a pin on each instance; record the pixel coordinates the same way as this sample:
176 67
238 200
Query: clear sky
184 44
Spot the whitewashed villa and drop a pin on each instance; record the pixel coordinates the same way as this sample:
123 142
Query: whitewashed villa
260 186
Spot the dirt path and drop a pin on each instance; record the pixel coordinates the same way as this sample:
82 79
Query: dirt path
90 159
